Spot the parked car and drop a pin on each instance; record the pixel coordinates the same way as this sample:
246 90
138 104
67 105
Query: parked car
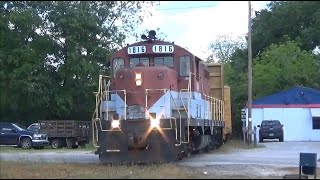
270 129
12 134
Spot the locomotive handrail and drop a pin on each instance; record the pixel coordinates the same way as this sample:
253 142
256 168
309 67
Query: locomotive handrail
176 132
218 108
95 114
146 98
94 127
165 90
186 110
189 103
216 105
125 102
209 109
180 140
106 130
94 124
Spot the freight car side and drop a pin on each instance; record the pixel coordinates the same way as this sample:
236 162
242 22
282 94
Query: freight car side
219 90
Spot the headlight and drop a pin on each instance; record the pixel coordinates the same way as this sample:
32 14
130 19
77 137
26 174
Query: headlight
37 135
138 79
138 76
138 82
154 123
115 124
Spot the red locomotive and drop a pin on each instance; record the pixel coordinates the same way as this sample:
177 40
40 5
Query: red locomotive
155 105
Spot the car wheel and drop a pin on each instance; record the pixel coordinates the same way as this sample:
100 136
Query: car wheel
260 139
56 143
281 139
26 143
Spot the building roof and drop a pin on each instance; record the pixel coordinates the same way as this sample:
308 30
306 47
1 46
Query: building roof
307 97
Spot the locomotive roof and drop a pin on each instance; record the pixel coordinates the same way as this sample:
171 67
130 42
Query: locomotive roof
156 42
160 42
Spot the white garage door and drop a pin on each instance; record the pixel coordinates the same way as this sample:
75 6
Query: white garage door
315 112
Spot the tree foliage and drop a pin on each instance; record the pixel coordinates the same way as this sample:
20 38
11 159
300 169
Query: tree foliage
283 38
295 19
283 66
51 53
223 47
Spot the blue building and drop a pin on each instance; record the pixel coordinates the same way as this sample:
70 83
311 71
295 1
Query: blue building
298 109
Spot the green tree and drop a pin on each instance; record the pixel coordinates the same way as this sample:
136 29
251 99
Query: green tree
52 52
23 77
283 66
283 20
292 18
223 47
237 78
231 52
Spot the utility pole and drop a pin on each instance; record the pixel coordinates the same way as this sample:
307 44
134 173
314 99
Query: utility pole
249 77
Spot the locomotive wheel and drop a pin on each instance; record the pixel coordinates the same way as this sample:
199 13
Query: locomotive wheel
210 147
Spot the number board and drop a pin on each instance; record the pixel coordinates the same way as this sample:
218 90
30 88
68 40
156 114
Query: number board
163 48
137 50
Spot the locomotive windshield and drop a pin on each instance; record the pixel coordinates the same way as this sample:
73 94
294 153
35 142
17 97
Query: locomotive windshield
135 61
163 61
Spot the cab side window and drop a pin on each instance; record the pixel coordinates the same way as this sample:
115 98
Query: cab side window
117 64
184 65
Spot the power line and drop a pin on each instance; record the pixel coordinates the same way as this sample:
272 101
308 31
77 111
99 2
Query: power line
168 9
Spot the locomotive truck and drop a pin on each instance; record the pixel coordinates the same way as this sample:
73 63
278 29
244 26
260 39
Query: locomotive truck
160 103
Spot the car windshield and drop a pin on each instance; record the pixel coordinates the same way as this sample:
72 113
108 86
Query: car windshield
270 123
19 126
33 127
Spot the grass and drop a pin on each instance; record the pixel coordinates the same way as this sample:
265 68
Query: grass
42 170
19 170
45 170
237 144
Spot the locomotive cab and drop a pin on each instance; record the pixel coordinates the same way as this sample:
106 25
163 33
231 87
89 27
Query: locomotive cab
139 80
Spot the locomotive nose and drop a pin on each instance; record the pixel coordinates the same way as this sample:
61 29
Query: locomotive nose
142 78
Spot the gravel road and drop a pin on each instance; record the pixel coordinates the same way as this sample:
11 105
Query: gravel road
257 162
275 153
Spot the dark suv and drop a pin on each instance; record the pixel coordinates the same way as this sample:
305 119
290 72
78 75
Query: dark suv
11 134
271 129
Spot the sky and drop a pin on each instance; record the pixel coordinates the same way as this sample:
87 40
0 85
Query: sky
194 24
